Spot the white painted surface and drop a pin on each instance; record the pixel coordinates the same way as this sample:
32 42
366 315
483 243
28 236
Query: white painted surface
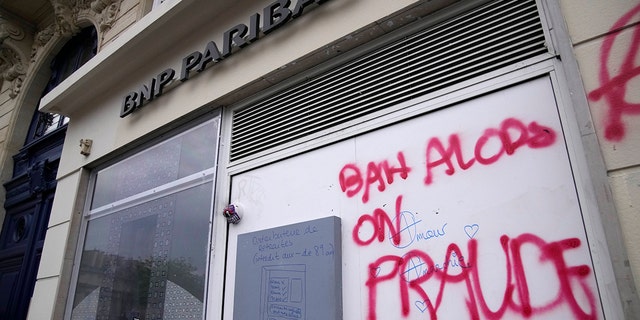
529 195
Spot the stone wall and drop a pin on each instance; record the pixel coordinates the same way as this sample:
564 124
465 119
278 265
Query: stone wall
606 39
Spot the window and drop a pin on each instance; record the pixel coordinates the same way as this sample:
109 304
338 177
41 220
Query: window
75 53
147 233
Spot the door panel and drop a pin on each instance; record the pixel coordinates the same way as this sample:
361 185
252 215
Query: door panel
28 206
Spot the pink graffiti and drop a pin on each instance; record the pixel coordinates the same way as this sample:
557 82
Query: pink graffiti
516 294
381 174
614 88
511 135
533 135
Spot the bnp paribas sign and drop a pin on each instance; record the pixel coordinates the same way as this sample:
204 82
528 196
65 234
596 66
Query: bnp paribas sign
273 16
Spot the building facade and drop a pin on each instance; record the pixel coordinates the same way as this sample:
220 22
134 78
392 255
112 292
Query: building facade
320 159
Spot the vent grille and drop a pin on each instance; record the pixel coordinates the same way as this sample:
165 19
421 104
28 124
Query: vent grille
485 39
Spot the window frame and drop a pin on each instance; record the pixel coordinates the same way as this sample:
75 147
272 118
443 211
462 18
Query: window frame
200 178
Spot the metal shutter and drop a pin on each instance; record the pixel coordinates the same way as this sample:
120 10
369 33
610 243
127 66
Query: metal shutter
485 39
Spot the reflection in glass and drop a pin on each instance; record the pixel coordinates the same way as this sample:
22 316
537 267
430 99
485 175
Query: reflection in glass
175 158
146 261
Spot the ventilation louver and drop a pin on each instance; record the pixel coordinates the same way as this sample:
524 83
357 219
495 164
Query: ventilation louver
485 39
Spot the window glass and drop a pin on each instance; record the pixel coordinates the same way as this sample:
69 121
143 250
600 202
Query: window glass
179 157
146 258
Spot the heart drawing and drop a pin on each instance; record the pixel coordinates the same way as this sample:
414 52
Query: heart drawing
421 306
471 230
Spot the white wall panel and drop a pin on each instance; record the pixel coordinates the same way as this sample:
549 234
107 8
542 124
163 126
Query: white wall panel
507 225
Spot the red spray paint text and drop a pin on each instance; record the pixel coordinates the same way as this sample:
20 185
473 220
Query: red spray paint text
533 136
378 220
415 272
511 135
516 295
352 180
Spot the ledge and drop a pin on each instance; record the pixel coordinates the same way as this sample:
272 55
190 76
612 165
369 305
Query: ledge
98 74
176 21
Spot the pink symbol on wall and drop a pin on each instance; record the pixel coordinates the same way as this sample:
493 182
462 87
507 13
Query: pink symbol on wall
614 86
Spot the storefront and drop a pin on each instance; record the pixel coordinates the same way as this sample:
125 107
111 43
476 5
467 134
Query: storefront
387 160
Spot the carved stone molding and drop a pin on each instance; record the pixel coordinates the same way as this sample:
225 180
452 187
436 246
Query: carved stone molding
107 10
67 15
41 39
12 70
9 31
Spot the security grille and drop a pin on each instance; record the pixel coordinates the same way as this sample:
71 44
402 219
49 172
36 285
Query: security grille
485 39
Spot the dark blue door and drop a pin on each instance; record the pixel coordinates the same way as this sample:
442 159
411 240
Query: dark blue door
28 204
